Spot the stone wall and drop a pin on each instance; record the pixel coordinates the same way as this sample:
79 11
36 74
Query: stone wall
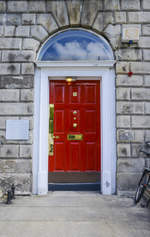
24 26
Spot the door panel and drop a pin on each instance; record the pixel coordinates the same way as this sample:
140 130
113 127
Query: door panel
76 126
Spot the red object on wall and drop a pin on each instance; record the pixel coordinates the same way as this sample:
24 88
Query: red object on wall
76 111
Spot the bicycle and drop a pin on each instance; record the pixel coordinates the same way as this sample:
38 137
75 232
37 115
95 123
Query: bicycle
144 183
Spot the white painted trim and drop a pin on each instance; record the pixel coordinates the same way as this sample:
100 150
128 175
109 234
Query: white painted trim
108 129
94 63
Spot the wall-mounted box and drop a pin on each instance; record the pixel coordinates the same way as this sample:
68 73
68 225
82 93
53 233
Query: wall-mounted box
17 129
130 33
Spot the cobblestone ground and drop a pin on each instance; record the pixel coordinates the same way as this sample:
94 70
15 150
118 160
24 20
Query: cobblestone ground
74 214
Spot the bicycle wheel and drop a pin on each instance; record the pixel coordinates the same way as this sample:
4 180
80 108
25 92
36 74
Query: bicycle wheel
141 187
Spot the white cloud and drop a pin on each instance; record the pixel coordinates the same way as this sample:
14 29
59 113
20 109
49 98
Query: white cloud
74 50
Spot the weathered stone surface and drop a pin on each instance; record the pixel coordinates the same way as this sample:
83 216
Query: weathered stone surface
59 10
13 19
28 19
146 54
146 5
130 5
22 182
16 166
130 165
135 150
122 67
11 82
112 4
140 94
128 54
17 6
18 56
11 151
9 95
139 135
140 67
3 121
130 108
2 6
30 44
1 31
147 81
47 21
27 68
10 43
144 42
128 181
146 29
102 20
25 151
120 17
123 150
140 121
123 121
74 9
22 31
10 68
89 11
37 6
125 135
147 107
139 17
16 109
9 30
124 80
27 95
123 94
113 33
38 32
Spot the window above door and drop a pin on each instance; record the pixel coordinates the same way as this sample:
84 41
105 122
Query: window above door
76 45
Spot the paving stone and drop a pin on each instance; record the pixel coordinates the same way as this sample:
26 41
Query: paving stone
144 42
146 29
147 81
140 121
146 5
102 20
146 54
128 181
125 135
123 94
120 17
140 94
140 67
128 54
131 165
122 67
16 166
139 17
9 30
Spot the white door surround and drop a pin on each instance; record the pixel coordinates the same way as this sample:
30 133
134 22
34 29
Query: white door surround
55 70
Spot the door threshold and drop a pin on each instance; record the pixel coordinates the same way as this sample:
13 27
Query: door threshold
74 186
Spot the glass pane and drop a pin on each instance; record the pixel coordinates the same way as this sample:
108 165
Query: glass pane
76 45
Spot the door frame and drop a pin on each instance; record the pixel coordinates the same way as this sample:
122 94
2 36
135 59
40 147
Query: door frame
103 70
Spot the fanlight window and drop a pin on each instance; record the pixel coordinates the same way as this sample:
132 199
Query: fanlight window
76 45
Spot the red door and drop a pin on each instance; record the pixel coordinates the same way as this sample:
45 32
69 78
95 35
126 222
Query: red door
76 127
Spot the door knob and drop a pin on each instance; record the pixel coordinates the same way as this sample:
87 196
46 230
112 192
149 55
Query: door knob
56 137
74 125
